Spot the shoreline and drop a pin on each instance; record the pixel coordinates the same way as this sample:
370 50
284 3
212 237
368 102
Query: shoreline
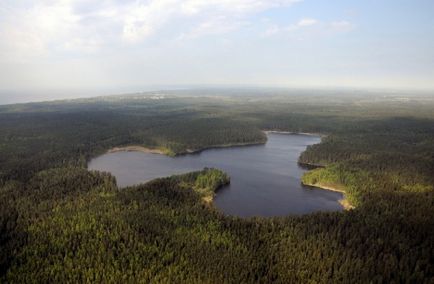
294 133
311 165
142 149
167 152
343 202
209 199
137 148
197 151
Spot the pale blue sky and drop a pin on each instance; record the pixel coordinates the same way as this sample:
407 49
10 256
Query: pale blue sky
131 45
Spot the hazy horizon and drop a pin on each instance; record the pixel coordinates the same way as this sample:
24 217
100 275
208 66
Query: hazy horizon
73 48
18 97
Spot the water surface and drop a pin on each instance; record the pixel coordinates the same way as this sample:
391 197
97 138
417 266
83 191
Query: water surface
265 179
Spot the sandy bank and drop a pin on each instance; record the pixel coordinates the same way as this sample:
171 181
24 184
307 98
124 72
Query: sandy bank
294 133
136 149
344 202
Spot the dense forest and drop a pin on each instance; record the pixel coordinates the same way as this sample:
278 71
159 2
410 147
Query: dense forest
60 222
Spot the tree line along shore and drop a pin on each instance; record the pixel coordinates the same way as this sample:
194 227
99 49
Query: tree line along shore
60 222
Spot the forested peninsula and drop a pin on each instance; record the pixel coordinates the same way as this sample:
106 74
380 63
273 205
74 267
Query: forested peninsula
60 222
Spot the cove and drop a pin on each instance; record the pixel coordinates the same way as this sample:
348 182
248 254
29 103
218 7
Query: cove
265 179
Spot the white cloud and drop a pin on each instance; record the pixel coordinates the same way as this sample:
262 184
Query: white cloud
308 26
306 22
143 19
49 27
214 25
44 27
214 16
301 24
233 6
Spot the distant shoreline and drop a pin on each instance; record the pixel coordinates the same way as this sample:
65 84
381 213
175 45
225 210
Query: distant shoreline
167 152
294 133
190 151
142 149
136 148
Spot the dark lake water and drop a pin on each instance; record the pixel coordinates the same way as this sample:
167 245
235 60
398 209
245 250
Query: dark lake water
265 179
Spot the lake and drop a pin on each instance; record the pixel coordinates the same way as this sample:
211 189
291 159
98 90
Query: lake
265 179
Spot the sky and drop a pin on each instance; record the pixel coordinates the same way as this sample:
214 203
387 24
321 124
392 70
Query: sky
110 46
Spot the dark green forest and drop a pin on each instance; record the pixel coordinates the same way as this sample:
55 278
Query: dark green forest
60 222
